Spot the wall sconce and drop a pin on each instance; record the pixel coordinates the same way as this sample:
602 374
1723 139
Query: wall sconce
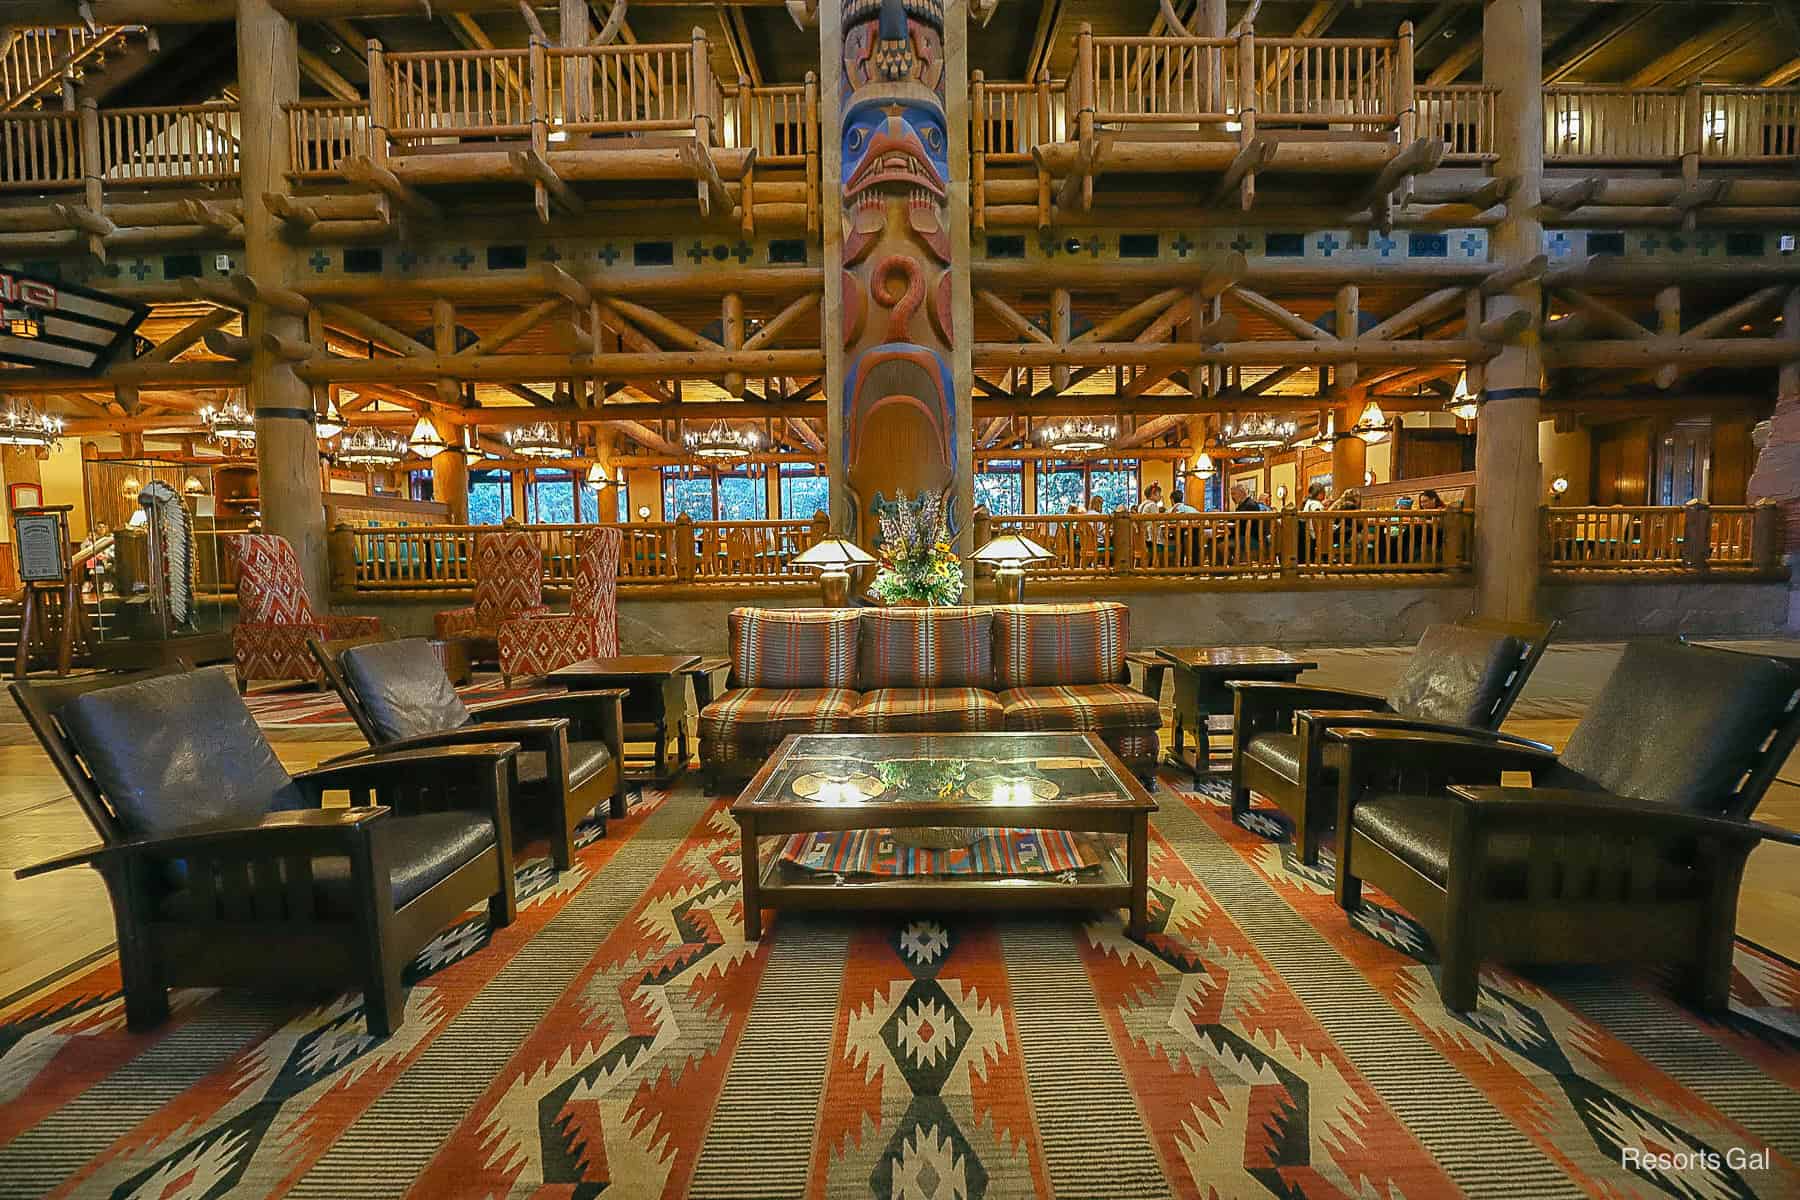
643 512
1559 486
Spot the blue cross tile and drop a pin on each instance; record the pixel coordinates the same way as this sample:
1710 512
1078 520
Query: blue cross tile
1328 244
463 259
697 252
1048 244
1677 244
1705 243
1181 245
1094 246
742 251
139 269
319 262
110 270
1385 244
551 254
407 259
1649 244
1557 245
609 254
1471 245
1242 243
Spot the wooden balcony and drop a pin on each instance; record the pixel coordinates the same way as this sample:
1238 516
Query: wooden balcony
34 60
1696 538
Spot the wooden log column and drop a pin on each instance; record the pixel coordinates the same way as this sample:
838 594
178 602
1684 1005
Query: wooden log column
1506 432
287 446
1777 474
1349 456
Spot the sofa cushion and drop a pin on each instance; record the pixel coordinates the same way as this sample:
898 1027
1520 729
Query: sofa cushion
929 710
1457 675
1088 707
793 648
586 760
403 688
1679 724
178 750
747 721
926 648
1046 645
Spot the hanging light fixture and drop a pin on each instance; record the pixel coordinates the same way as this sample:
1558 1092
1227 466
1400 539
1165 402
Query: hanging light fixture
471 445
230 424
541 439
596 476
330 423
371 449
24 424
1257 431
1204 468
426 441
193 487
1463 404
721 441
1372 426
1078 435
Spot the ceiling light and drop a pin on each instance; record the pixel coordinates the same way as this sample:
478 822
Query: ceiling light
1258 431
541 439
1372 426
1078 435
230 424
1463 403
371 449
331 422
721 441
426 441
24 424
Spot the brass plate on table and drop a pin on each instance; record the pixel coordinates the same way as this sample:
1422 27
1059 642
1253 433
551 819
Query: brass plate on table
809 785
1036 788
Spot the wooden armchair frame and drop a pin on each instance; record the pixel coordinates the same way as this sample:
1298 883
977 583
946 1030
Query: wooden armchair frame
250 916
1596 882
1311 711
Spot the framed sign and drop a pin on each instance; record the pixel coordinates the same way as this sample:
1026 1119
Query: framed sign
41 548
24 495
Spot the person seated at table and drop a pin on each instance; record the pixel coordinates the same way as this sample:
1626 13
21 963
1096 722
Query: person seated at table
1315 498
1152 499
1429 499
1349 501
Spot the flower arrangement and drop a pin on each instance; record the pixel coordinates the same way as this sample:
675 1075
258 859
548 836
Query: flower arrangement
928 779
917 564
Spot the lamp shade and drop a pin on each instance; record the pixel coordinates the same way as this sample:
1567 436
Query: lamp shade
1009 549
832 554
425 441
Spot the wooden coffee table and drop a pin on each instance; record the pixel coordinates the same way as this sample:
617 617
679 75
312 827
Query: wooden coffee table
655 704
1201 673
942 792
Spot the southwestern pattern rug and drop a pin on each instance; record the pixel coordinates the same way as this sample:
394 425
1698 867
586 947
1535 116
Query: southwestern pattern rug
622 1039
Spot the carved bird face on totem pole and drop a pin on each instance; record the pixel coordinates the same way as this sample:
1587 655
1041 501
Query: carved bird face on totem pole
899 398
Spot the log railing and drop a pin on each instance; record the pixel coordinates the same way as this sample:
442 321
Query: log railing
1462 115
322 134
1712 123
624 88
189 143
781 123
447 95
1695 537
1011 118
1748 125
1330 81
40 151
35 59
1162 80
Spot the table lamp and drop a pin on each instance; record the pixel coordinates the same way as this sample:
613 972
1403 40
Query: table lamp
834 557
1011 554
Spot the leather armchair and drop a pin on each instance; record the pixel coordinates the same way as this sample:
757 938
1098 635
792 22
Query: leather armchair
1462 677
223 869
1628 847
571 746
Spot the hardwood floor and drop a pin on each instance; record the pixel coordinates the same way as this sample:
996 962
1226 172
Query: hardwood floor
54 923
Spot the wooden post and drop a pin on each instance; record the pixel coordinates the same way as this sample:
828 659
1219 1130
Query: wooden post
1668 323
287 446
1287 542
341 552
540 119
1405 105
573 33
1348 317
1088 82
1693 140
1122 532
1766 541
381 104
1696 534
686 552
93 170
1062 315
1456 538
450 476
1506 448
978 151
701 90
731 326
1349 456
811 136
1044 135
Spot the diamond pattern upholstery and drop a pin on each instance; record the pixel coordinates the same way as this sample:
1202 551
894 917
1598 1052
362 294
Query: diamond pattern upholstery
538 643
275 617
509 582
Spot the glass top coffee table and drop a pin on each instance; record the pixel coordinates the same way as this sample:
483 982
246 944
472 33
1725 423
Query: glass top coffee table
1010 821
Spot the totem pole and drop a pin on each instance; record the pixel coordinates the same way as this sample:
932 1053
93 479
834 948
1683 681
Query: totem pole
899 420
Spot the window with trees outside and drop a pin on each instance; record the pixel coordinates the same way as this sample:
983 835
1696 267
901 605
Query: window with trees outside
550 499
1000 487
805 490
490 497
1113 482
740 494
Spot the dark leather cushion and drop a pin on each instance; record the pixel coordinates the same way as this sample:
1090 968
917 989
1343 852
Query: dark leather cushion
1680 724
422 852
1279 753
586 760
403 688
1457 675
175 751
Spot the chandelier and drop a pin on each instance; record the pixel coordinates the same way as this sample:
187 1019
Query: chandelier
1079 435
24 425
722 441
1372 426
1464 404
371 449
426 441
230 424
1258 431
540 439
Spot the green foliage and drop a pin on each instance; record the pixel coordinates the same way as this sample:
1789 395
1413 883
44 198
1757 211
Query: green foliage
917 563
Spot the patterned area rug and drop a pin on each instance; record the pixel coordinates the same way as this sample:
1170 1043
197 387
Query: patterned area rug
623 1038
288 706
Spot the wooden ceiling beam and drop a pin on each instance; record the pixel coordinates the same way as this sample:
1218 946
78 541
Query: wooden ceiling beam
1584 47
1675 65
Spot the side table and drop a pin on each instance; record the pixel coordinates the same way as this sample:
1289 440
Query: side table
1201 673
655 705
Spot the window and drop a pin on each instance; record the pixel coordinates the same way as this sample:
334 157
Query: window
588 501
624 493
550 500
805 490
1000 487
1112 482
418 485
740 494
490 497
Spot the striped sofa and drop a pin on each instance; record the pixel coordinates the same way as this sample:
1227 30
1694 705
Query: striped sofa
890 670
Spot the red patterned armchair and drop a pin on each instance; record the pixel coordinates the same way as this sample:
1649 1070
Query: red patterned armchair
509 582
275 618
539 643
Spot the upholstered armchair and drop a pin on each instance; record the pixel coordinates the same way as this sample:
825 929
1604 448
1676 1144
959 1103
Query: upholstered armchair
509 582
275 618
571 745
1627 847
225 871
539 643
1461 678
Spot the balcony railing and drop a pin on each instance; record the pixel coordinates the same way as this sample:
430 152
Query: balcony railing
34 60
1714 124
175 144
1694 537
1463 116
322 134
